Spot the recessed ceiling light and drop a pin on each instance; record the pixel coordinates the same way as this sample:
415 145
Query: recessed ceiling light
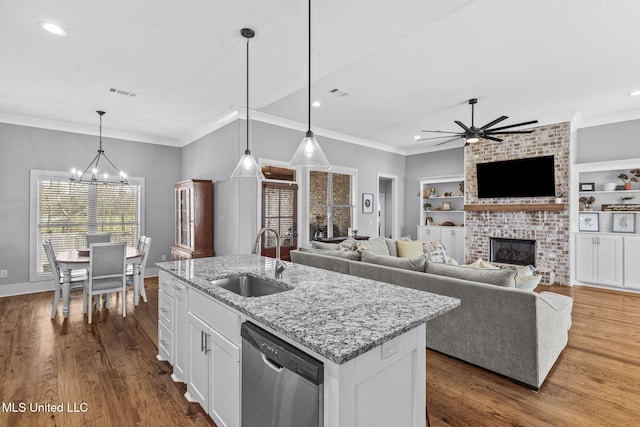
635 92
316 103
416 137
53 28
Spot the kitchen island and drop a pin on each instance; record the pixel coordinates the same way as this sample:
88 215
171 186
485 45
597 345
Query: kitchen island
369 335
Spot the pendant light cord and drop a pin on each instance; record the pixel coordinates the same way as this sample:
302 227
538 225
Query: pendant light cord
309 75
247 151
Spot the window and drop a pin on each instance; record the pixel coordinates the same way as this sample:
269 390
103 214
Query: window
330 204
64 212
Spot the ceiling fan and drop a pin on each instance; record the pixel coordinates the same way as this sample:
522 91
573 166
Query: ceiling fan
474 134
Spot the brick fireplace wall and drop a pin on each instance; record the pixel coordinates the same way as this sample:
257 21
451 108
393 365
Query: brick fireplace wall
550 229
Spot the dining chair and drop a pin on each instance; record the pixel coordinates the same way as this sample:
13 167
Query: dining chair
107 274
140 244
144 248
56 276
98 238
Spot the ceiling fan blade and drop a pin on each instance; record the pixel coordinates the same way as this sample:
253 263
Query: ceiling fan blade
448 140
439 137
508 132
463 126
512 126
492 138
495 122
439 131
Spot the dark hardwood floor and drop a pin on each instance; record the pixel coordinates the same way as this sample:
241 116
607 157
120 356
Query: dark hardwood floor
111 367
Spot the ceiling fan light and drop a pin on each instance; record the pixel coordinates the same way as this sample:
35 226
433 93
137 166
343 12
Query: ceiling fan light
53 28
472 139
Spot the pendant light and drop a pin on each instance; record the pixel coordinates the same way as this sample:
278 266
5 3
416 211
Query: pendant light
92 174
309 154
247 166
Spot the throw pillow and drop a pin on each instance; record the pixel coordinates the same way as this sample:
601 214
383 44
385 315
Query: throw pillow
414 264
407 237
348 244
436 252
391 245
500 277
410 248
527 282
377 245
480 263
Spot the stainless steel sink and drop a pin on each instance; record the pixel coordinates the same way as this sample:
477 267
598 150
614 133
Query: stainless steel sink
249 286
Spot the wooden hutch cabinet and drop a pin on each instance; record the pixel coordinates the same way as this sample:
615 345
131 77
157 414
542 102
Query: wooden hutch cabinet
194 219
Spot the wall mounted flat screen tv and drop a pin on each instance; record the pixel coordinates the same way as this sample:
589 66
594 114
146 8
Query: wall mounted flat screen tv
528 177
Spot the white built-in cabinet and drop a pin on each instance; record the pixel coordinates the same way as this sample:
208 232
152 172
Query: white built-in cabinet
609 255
442 213
599 259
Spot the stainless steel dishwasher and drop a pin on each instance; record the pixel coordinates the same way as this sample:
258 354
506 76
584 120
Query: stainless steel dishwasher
281 385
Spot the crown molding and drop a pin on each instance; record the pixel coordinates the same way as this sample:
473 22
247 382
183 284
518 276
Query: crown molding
212 126
84 129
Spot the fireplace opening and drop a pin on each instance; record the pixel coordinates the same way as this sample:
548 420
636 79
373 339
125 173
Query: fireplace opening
512 251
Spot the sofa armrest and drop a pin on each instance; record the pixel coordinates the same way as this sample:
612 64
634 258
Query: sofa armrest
553 321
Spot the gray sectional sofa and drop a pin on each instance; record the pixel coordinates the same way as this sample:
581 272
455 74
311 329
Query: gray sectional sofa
513 332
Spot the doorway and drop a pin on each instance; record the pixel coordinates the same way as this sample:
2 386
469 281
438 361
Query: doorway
387 187
280 212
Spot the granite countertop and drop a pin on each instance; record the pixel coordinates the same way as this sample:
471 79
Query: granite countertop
335 315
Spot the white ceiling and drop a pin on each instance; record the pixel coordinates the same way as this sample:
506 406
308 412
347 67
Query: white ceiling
407 65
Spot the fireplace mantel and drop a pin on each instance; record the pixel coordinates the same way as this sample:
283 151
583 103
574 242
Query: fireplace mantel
519 207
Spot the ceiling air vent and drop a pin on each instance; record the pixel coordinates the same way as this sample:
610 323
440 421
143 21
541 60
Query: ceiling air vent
122 92
338 92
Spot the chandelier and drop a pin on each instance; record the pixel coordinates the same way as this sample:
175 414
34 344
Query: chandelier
93 175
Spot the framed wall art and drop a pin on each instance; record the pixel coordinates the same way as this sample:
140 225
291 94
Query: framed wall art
367 202
587 186
624 222
588 222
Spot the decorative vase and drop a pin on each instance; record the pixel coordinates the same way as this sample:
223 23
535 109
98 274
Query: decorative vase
558 200
627 186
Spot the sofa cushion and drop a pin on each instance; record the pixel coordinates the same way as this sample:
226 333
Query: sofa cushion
527 282
415 264
377 246
409 248
391 245
436 252
500 277
351 255
323 245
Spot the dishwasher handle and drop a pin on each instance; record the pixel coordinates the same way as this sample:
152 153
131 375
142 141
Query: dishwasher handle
271 364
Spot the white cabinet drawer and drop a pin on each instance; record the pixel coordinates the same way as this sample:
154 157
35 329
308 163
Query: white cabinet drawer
165 310
165 343
212 312
165 283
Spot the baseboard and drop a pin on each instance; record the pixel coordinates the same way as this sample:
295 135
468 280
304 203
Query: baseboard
13 289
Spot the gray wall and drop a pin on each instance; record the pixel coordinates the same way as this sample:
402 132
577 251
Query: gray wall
215 155
25 148
439 163
615 141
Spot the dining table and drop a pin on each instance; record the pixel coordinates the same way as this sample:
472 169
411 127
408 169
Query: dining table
79 259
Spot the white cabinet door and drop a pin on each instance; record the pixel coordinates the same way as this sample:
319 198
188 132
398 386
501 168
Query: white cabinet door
224 401
453 241
586 258
199 348
430 234
632 262
610 260
180 326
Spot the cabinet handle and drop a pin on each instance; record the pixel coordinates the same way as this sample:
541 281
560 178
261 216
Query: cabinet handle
201 340
164 342
207 343
178 288
164 309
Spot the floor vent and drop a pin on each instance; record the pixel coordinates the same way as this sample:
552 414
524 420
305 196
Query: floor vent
122 92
